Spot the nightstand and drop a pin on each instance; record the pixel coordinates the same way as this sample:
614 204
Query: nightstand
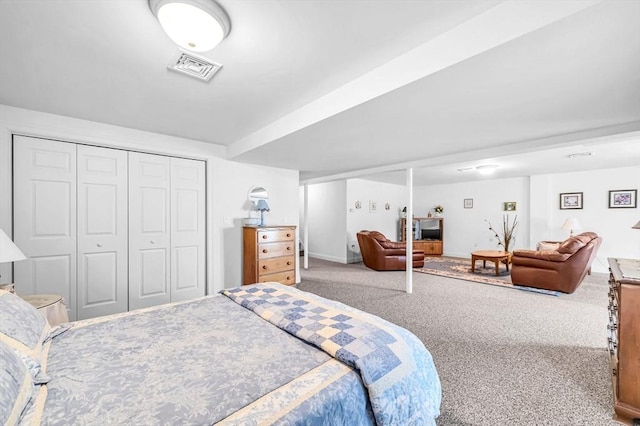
51 305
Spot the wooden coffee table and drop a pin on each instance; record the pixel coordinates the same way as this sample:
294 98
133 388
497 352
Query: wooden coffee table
495 256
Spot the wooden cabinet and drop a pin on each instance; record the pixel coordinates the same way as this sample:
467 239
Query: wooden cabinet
624 338
431 240
269 254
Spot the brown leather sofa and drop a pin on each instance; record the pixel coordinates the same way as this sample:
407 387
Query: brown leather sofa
560 270
383 255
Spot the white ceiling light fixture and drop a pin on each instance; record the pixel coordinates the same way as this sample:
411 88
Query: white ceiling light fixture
486 169
196 25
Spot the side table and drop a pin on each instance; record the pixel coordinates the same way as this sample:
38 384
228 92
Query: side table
50 305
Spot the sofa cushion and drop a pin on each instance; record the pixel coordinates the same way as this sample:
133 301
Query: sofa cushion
586 237
571 245
392 245
378 236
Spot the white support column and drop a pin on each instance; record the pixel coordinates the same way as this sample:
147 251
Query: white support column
409 231
306 228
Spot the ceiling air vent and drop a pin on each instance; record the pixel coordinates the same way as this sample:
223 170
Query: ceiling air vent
194 66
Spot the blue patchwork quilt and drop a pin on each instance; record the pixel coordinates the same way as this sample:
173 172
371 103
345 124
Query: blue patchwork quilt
397 370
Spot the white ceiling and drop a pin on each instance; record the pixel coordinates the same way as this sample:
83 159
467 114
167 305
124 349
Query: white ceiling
352 87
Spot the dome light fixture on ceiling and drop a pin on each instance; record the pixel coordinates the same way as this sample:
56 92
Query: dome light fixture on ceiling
196 25
486 169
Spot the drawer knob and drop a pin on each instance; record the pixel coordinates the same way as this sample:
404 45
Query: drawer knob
99 245
264 250
288 235
288 263
288 248
264 237
264 266
288 277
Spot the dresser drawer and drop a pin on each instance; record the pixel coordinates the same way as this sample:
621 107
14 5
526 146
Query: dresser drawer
268 250
276 264
287 277
269 236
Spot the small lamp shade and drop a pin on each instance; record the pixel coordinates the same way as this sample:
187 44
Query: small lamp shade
636 226
9 252
571 225
262 206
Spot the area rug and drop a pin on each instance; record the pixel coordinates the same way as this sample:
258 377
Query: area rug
461 269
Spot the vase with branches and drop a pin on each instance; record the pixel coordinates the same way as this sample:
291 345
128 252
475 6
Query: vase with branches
508 231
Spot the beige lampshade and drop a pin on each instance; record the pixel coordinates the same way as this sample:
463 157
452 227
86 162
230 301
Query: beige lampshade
636 226
9 252
571 225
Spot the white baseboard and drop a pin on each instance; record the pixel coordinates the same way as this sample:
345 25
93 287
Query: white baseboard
329 258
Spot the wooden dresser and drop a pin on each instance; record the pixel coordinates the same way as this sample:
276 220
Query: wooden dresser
624 338
269 254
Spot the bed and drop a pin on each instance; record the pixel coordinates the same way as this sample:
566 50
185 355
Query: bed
257 354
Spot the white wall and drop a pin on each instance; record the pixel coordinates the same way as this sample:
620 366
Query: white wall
232 182
613 225
228 182
327 221
382 220
465 230
334 219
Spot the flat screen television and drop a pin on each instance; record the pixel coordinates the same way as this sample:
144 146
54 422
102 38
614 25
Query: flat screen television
431 234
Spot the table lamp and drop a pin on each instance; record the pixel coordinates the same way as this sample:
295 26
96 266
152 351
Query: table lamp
636 226
262 206
570 225
9 252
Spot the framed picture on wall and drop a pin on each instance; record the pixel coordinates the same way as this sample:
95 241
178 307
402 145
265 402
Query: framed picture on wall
372 206
468 203
509 206
623 199
570 200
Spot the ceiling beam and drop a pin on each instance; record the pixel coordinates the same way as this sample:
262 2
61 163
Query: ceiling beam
496 26
593 136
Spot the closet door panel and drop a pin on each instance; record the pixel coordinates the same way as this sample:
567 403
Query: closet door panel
187 229
149 230
44 191
102 231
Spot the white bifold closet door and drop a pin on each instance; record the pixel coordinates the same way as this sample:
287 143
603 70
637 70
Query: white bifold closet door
44 217
108 229
102 231
149 230
166 229
187 229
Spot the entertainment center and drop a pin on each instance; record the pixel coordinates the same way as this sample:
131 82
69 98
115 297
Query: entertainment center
428 234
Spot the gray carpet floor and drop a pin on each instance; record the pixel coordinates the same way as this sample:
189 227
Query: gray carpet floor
504 356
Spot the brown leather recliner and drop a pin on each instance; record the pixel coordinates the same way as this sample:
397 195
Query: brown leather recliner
383 255
560 270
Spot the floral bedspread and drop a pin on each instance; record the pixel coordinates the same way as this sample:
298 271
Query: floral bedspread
200 362
401 379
